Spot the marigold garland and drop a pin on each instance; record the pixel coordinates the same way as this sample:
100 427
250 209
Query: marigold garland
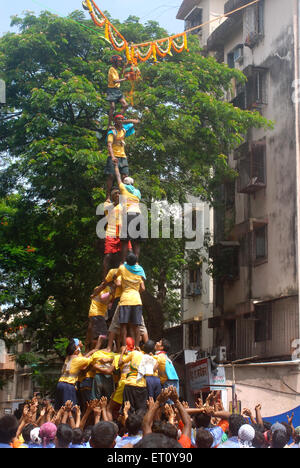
160 48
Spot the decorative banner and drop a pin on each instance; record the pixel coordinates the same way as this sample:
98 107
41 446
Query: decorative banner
135 52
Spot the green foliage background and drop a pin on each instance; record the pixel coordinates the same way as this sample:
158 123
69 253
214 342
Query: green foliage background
52 169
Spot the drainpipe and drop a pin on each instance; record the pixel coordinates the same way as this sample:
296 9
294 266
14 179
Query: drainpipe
296 17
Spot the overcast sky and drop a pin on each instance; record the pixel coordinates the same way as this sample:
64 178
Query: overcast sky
162 11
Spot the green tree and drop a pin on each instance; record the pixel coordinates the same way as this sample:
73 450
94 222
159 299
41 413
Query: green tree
52 170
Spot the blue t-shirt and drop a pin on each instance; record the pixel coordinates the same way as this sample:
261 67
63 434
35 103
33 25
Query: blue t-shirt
233 442
128 440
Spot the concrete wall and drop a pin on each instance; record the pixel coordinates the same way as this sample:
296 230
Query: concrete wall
200 306
275 387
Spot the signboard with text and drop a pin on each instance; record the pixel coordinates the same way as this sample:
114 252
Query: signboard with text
201 376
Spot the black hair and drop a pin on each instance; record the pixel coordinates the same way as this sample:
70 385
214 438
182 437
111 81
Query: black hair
71 348
267 425
204 438
165 344
77 436
165 428
279 439
259 440
202 420
157 441
134 422
26 432
131 259
87 434
258 428
8 428
149 347
289 430
235 422
104 434
114 189
64 435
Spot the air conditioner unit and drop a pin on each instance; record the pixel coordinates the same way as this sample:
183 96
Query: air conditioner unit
220 353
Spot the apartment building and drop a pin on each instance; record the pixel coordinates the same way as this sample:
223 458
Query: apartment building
255 251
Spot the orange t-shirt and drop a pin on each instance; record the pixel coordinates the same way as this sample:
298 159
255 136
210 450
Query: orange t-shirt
185 442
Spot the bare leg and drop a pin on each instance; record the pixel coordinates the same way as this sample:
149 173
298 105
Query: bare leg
109 184
136 248
137 335
111 337
111 113
123 334
112 410
145 337
124 105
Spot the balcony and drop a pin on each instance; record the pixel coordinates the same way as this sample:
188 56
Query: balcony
251 167
8 363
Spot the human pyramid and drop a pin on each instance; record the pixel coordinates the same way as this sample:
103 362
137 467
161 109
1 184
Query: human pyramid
114 366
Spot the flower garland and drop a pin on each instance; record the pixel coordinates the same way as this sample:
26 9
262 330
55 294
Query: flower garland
135 52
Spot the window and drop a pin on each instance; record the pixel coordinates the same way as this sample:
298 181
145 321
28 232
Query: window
225 261
251 167
256 86
193 19
194 286
195 333
254 24
263 322
236 56
260 243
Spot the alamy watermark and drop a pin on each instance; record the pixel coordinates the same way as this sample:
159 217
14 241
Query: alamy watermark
161 220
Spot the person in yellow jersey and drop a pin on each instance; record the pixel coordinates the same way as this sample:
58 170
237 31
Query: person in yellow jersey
114 93
116 136
74 363
97 315
134 227
135 388
116 400
103 367
166 370
131 278
112 244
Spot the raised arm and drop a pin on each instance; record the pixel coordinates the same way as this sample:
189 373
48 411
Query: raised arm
185 418
117 172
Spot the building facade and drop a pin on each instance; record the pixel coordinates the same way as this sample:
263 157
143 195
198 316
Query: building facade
255 252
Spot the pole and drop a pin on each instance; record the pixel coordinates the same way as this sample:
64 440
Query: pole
296 21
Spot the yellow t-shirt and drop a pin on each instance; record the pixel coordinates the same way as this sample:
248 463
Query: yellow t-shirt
130 287
134 359
109 278
98 356
118 142
72 368
161 359
97 308
114 219
131 201
113 75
